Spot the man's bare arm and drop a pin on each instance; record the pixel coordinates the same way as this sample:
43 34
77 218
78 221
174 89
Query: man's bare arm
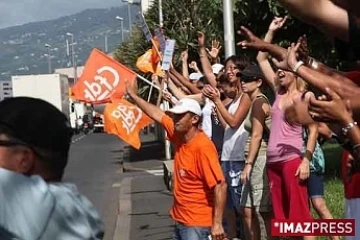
323 14
149 109
220 191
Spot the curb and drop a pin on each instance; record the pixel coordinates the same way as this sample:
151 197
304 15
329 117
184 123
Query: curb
128 168
123 221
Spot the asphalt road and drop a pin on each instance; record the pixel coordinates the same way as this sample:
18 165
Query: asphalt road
94 166
134 205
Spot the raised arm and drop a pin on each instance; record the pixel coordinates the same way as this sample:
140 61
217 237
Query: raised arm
345 87
149 109
184 61
315 64
199 97
178 83
193 89
323 14
275 51
206 65
262 57
175 90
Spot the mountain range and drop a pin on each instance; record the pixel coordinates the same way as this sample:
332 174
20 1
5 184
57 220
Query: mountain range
23 48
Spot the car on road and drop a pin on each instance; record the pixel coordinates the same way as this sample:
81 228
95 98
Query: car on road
98 123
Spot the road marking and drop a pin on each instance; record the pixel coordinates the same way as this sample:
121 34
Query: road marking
156 172
78 139
116 185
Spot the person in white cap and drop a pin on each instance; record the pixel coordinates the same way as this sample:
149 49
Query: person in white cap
199 184
217 68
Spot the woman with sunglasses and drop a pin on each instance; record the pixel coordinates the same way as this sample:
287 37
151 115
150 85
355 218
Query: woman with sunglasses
235 136
255 198
288 168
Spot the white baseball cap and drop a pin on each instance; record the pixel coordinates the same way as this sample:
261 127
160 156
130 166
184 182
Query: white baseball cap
217 67
195 76
186 105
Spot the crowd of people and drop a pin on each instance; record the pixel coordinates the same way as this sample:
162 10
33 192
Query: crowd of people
248 132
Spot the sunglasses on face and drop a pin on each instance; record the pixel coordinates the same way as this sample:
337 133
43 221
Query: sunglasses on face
248 79
15 143
12 143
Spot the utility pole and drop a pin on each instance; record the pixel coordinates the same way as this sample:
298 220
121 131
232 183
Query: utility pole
229 37
49 57
161 19
73 55
106 43
122 27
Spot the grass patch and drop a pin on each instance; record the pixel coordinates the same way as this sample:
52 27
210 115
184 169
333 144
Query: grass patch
335 201
332 154
334 191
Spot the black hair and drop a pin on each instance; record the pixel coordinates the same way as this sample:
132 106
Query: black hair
203 80
53 162
241 61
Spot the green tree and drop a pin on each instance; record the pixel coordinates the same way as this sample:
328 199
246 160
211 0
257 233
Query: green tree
183 18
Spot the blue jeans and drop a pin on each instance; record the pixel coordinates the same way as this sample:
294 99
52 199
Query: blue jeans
182 232
232 171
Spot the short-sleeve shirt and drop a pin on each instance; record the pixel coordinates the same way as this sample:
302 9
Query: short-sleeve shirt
196 172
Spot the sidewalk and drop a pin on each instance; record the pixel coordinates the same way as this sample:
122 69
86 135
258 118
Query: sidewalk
144 202
144 209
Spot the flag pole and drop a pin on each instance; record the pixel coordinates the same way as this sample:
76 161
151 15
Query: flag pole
166 107
155 86
150 91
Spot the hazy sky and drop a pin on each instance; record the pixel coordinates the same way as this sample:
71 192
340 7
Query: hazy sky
16 12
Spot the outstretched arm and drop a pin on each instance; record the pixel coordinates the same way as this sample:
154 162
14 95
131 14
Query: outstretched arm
149 109
323 14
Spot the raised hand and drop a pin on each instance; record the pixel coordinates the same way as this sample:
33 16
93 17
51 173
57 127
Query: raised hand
303 49
288 63
193 66
201 39
277 23
251 40
215 49
330 108
167 96
131 88
184 55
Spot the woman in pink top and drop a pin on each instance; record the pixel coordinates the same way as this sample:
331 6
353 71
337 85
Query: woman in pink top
287 167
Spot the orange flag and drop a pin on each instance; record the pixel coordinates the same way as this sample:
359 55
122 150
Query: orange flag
145 63
103 79
125 120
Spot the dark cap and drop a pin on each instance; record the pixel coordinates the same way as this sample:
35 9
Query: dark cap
36 123
251 73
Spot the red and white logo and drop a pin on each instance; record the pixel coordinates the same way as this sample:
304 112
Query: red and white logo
316 227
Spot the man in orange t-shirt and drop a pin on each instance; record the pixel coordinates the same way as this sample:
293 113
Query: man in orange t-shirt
199 184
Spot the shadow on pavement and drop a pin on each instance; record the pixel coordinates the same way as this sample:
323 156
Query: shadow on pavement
148 151
150 218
